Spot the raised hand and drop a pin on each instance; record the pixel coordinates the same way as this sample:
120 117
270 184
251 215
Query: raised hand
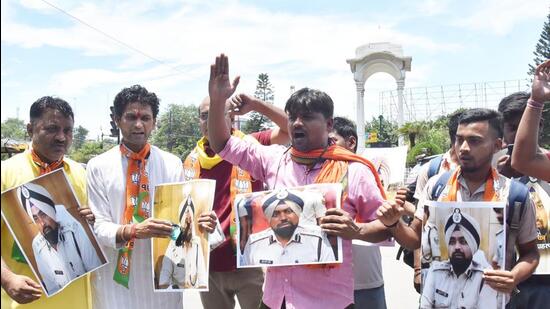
540 91
219 86
389 213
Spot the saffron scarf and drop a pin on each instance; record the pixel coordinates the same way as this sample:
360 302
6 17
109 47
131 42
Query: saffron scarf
336 163
490 194
43 168
138 205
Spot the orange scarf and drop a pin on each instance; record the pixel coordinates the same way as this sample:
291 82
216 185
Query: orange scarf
43 166
137 208
490 195
336 163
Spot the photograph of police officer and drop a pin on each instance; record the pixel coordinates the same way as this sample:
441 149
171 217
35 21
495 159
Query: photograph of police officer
181 261
292 235
61 248
457 281
183 265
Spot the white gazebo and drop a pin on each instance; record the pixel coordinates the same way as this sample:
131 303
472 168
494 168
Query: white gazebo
370 59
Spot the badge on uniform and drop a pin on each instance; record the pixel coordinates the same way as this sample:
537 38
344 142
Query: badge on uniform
266 262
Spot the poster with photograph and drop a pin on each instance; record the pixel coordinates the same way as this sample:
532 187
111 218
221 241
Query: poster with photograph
55 241
459 241
541 199
281 227
180 262
389 162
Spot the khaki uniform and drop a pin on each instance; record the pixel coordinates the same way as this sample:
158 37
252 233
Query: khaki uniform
307 245
443 289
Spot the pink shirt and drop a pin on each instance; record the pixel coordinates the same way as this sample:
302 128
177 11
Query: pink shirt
300 286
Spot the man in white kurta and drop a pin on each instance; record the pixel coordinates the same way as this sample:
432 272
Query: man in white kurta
107 194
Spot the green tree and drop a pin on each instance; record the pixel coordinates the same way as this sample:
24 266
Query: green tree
80 134
542 50
264 91
542 53
178 129
412 130
14 128
385 130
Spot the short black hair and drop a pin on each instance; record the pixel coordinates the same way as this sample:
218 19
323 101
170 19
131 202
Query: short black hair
39 107
136 93
493 117
309 100
452 124
512 106
345 128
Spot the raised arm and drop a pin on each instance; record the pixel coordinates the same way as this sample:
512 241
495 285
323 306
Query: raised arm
243 103
526 156
219 90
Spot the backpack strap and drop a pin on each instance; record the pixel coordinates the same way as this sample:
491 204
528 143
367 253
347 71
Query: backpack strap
435 165
440 185
517 198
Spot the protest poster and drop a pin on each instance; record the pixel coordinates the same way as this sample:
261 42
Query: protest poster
49 233
181 261
281 227
459 241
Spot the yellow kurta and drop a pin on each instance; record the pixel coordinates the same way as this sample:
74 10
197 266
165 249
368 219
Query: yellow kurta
18 170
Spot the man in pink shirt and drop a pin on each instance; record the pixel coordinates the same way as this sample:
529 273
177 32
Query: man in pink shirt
310 122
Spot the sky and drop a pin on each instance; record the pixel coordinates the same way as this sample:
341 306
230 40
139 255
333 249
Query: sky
87 51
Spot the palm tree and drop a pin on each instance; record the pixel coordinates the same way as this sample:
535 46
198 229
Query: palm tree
412 130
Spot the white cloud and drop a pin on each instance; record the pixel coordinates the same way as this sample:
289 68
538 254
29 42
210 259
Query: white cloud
432 7
501 16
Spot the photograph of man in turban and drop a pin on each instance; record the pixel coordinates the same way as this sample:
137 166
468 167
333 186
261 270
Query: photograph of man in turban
458 282
62 249
289 239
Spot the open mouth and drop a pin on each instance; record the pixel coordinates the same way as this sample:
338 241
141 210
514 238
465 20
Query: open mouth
299 134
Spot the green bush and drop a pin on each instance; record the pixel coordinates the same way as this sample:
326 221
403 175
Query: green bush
430 148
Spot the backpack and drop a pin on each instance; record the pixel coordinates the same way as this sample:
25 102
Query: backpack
433 169
517 197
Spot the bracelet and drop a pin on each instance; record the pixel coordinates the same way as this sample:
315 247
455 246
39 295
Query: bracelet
133 231
535 105
122 233
393 225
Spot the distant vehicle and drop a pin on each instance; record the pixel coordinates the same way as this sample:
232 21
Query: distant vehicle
11 146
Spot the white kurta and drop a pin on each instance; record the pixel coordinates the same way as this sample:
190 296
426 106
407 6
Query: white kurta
106 177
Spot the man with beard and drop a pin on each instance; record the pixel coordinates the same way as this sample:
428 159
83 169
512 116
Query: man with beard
286 241
458 282
183 264
63 251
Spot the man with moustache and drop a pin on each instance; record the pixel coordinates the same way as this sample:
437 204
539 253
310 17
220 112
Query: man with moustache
121 187
286 241
51 130
458 282
478 138
63 251
312 158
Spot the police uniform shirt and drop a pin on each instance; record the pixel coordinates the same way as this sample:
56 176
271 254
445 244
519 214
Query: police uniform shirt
74 256
306 245
430 243
183 267
443 289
